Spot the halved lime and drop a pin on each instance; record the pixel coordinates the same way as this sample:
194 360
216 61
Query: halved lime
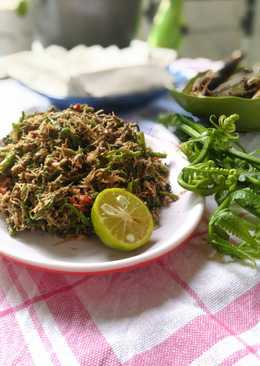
121 220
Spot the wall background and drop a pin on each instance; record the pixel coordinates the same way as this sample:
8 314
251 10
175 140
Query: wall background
214 28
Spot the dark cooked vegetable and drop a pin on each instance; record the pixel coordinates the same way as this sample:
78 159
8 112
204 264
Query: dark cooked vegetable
230 80
53 165
230 66
206 82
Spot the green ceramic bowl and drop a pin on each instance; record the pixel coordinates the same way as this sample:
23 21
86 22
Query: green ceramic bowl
248 109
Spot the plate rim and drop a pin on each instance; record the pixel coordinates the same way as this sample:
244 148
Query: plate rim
129 267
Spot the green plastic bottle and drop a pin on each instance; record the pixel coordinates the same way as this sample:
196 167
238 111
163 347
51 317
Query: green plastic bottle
166 30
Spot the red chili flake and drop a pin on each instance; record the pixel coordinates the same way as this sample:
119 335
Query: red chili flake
85 200
34 134
4 185
81 201
77 107
3 190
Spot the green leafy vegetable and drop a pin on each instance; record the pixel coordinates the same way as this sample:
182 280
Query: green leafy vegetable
220 166
7 161
206 178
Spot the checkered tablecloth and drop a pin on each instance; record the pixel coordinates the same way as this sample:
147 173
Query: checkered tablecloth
189 308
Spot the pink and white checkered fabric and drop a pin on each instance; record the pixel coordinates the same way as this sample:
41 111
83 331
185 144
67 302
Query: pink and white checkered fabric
186 309
189 308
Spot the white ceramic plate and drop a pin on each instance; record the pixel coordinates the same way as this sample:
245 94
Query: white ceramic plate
89 256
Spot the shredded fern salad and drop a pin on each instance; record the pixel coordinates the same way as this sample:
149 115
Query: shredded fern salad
54 164
220 166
